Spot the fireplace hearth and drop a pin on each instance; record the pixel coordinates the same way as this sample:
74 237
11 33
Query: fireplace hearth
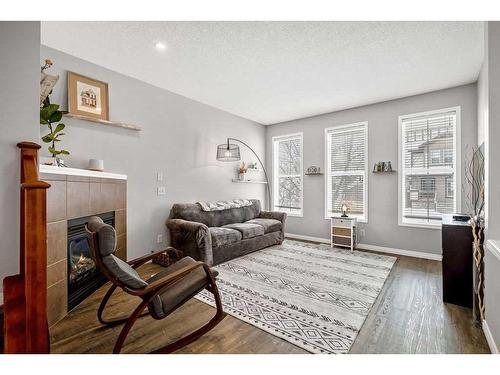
83 276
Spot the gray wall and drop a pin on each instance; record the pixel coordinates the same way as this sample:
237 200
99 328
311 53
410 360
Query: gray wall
179 139
382 228
19 82
488 98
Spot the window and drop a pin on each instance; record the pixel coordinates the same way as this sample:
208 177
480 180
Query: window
346 169
287 174
428 164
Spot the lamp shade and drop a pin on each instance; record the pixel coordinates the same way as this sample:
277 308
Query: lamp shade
228 152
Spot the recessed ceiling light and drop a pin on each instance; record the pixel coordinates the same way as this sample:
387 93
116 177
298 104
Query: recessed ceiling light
160 46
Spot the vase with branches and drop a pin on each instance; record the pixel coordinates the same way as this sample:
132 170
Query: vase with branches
50 116
474 175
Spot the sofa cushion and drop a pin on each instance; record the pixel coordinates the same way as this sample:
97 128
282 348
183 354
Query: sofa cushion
247 230
269 225
223 236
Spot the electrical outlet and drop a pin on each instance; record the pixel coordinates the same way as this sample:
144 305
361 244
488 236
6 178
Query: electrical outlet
159 176
162 190
159 238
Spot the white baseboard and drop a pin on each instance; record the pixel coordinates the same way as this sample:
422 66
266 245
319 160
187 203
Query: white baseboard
362 246
406 253
307 238
489 338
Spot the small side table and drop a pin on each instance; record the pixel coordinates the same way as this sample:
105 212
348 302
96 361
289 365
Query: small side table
344 232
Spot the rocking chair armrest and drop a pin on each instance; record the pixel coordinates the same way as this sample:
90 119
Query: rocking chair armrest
137 262
157 285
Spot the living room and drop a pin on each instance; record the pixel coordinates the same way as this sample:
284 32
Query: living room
250 187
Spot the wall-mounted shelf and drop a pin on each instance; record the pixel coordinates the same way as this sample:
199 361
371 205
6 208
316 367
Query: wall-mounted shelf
248 181
393 171
255 170
116 124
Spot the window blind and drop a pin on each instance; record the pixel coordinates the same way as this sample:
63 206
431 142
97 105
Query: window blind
287 174
428 177
346 148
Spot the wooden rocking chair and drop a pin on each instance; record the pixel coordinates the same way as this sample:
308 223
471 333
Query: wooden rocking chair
161 294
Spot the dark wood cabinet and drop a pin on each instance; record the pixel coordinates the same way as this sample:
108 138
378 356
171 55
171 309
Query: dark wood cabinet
457 261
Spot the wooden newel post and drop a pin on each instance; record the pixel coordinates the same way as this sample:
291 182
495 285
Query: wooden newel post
25 294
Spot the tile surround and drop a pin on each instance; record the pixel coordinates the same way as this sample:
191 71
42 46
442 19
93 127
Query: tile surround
71 197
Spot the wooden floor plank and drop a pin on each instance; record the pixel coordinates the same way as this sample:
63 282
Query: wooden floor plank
407 317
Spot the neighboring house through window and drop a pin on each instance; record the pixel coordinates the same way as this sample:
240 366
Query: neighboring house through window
346 170
287 174
429 165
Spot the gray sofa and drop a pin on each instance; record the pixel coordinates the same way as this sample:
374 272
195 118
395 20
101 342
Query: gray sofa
218 236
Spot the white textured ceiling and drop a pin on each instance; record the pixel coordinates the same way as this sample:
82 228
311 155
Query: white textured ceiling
271 72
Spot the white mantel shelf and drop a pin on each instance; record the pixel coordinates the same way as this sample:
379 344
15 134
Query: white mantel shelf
79 172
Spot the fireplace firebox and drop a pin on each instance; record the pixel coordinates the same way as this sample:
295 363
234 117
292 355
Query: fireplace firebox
83 276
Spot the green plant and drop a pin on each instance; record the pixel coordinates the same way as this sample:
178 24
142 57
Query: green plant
50 116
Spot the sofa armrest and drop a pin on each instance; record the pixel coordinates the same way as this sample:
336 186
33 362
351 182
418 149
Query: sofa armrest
276 215
181 230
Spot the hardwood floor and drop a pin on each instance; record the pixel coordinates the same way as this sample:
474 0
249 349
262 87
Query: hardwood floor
408 317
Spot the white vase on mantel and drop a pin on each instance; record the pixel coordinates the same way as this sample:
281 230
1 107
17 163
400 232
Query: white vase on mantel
241 176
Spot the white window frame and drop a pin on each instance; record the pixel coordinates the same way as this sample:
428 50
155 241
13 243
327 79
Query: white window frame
364 218
275 164
457 165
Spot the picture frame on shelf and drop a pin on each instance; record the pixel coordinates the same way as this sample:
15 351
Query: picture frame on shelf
87 97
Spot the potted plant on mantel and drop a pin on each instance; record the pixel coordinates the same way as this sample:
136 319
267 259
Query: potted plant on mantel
474 175
50 116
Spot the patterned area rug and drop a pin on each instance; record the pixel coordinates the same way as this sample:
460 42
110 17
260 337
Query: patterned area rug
311 295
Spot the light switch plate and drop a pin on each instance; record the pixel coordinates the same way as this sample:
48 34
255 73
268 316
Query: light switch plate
159 238
159 176
162 190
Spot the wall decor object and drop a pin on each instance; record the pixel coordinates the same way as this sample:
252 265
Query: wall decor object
242 170
50 116
383 167
313 170
87 97
96 165
47 82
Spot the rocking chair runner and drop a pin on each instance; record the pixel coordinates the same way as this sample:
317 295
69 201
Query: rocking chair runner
161 294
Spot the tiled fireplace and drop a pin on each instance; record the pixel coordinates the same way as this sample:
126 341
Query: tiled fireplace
75 195
83 276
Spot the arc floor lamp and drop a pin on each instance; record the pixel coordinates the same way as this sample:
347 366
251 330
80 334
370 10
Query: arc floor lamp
231 152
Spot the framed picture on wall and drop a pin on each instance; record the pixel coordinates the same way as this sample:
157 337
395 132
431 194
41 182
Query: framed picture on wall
87 97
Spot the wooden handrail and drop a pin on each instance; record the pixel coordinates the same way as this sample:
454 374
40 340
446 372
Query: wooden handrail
25 294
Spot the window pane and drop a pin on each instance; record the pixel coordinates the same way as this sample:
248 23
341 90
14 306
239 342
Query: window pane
348 190
289 194
428 176
347 150
346 169
287 174
289 157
